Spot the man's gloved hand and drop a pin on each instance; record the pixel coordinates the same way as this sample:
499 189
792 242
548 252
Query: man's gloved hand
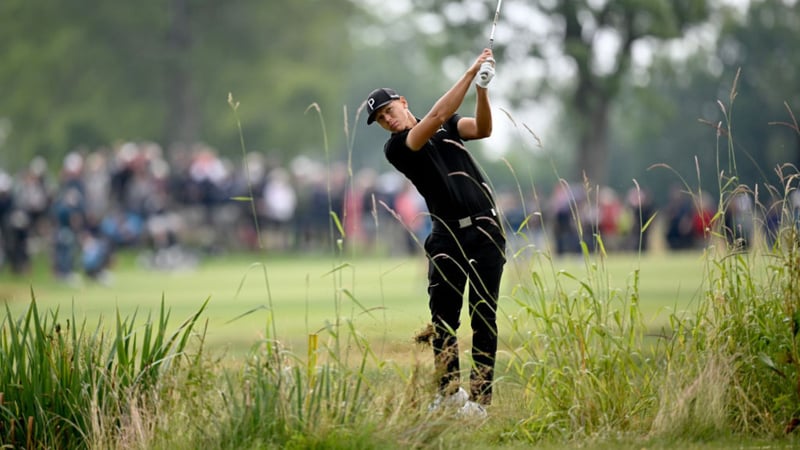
485 74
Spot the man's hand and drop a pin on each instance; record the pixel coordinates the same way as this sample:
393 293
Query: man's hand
485 74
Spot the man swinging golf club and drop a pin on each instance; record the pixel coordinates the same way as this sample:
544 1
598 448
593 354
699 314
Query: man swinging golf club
467 242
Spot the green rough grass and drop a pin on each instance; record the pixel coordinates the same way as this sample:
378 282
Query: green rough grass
383 300
302 290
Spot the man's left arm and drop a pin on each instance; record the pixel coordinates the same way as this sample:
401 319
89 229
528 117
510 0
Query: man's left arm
480 126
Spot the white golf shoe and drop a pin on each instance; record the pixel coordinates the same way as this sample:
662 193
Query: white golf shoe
472 410
455 400
460 403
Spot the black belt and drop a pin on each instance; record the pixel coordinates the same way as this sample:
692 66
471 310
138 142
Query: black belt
468 221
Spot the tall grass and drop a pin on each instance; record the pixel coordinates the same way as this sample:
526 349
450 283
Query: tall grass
580 367
277 401
58 380
587 367
579 356
342 395
734 367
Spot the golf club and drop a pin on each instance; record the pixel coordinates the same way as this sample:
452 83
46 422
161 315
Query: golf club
491 34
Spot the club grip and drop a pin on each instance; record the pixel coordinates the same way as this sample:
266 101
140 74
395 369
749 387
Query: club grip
485 75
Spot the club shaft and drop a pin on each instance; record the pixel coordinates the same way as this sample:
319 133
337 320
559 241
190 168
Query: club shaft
494 24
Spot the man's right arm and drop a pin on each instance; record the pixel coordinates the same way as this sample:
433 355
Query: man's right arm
445 107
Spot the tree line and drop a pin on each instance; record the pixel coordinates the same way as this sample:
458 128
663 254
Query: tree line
636 84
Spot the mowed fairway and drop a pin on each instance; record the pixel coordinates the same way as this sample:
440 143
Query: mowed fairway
383 298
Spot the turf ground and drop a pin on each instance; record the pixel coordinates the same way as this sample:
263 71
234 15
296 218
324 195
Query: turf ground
384 298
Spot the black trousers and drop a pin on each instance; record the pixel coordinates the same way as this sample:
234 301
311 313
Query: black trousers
474 255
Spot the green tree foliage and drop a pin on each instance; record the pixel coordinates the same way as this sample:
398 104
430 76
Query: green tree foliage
659 136
672 120
595 88
89 73
584 49
763 45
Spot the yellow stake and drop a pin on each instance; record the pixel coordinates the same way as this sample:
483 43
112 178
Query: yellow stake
312 359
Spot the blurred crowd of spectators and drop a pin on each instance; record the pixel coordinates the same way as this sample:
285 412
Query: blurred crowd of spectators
172 208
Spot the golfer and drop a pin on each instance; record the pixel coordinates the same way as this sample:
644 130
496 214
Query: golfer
467 242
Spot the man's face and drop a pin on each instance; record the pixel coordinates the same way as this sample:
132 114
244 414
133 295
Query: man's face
394 117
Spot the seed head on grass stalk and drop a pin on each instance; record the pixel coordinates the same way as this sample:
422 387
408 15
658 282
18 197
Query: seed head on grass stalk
334 222
251 199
